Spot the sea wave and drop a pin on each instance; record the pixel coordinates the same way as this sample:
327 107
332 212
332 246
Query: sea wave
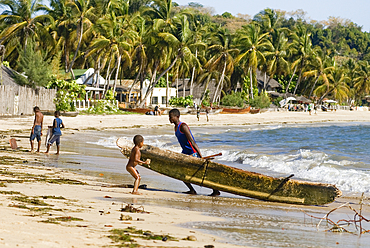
309 165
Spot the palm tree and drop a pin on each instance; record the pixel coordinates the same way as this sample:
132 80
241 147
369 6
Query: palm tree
22 22
362 78
336 86
83 11
302 46
114 41
269 20
252 45
63 30
320 66
277 57
222 56
139 55
178 42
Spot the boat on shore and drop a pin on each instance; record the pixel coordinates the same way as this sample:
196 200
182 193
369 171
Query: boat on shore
235 110
214 175
136 110
254 111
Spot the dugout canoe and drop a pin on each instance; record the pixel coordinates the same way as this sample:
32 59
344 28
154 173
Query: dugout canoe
214 175
236 110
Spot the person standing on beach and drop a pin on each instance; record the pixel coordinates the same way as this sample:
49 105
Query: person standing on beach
188 144
135 160
57 125
36 131
208 109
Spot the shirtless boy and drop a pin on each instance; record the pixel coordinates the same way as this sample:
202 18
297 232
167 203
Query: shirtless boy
36 131
135 160
188 144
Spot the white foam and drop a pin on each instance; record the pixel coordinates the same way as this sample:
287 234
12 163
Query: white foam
313 166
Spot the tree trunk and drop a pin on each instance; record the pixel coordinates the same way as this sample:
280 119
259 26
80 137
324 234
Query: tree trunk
107 78
117 71
193 75
251 78
220 82
150 87
183 86
161 75
205 90
132 85
313 87
78 47
287 88
299 78
177 87
167 88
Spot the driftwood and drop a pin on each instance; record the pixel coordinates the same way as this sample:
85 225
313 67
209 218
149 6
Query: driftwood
225 178
343 225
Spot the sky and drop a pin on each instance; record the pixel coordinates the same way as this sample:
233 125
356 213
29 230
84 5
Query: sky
358 11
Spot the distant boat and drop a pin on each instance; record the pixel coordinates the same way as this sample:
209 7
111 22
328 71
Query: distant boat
236 110
214 175
137 110
255 111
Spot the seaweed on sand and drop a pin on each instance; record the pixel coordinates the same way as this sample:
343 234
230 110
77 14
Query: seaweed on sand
57 220
132 209
125 236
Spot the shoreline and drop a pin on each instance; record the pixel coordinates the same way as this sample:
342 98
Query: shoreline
110 122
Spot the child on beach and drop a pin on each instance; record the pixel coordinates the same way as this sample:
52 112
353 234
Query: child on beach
36 131
57 125
188 144
135 160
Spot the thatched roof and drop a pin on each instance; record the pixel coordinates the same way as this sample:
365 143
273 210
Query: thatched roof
198 89
7 76
270 82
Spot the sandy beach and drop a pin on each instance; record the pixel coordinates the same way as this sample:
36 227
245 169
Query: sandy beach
54 207
101 122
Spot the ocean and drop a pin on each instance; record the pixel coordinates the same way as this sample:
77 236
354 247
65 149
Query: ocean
324 152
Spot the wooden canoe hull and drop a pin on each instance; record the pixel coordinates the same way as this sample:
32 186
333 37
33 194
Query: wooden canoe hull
236 110
225 178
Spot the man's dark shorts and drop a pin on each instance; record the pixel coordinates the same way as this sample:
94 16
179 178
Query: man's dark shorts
36 133
54 138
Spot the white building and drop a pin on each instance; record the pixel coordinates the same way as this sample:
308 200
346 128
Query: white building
158 96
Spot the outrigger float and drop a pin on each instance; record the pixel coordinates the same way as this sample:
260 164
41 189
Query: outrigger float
204 172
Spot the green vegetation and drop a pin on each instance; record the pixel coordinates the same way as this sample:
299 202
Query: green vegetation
26 177
33 201
261 101
234 99
102 107
66 93
152 39
10 193
125 236
181 101
57 220
35 66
